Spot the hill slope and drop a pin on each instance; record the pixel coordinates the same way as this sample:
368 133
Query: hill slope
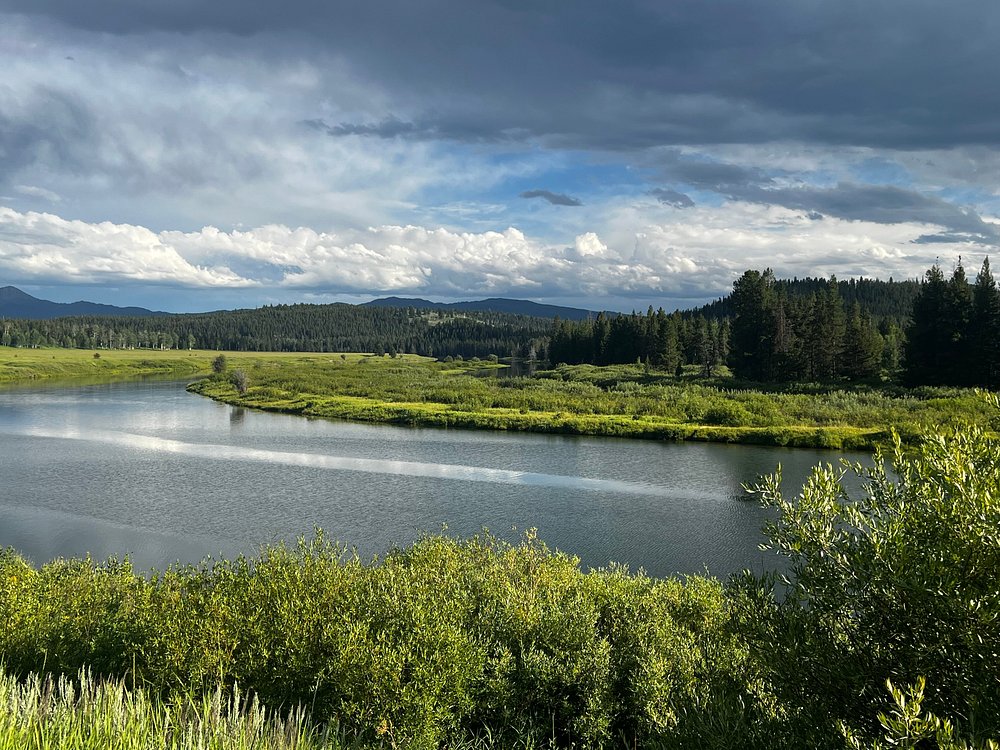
493 304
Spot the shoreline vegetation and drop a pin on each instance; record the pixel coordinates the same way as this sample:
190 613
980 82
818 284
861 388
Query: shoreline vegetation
632 401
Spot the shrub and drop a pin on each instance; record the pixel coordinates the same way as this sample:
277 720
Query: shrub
727 414
898 584
240 381
440 641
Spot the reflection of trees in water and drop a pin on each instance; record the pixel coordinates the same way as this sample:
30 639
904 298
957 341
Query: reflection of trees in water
522 368
516 368
236 415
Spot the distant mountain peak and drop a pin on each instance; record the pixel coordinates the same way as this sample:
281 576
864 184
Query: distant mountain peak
13 293
15 303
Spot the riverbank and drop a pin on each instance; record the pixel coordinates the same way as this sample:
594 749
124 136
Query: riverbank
615 401
620 401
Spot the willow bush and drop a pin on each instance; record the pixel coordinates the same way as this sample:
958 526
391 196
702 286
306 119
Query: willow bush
899 585
445 639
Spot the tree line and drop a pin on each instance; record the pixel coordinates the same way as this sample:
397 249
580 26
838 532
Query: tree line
954 332
815 337
773 332
935 331
662 340
307 328
950 336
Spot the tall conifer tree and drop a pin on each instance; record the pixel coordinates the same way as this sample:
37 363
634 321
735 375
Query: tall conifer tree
984 328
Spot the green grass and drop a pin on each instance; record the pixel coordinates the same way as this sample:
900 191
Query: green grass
21 365
623 401
89 714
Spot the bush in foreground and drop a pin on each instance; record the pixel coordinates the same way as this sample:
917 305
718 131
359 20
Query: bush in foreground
898 585
442 640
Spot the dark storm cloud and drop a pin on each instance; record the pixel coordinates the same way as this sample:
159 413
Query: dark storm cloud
53 128
632 74
455 129
390 127
672 198
705 174
882 204
556 199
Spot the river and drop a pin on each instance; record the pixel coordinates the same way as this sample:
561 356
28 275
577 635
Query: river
149 470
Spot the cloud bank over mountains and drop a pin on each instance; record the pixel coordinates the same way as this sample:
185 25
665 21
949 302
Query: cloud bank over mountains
298 263
637 151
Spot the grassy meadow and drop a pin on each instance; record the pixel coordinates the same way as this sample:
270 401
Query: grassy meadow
623 400
24 365
19 365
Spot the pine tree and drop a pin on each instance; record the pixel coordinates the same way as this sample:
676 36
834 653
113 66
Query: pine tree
958 360
862 359
752 333
984 329
928 335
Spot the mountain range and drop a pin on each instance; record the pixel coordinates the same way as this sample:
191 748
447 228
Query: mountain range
17 304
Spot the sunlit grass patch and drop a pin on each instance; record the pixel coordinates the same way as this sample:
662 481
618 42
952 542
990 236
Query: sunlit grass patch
619 400
85 713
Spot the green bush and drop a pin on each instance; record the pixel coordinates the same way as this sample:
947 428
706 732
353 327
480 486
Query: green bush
898 584
440 641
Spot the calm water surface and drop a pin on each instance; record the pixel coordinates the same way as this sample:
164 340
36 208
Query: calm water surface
148 470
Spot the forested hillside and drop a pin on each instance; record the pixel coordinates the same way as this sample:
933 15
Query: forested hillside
316 328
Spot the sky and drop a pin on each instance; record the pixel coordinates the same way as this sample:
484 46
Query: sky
185 155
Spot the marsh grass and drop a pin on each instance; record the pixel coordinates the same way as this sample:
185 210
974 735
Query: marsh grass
619 400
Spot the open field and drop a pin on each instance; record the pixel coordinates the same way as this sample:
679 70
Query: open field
25 365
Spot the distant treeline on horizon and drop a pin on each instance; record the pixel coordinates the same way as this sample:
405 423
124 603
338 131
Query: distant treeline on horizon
932 332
